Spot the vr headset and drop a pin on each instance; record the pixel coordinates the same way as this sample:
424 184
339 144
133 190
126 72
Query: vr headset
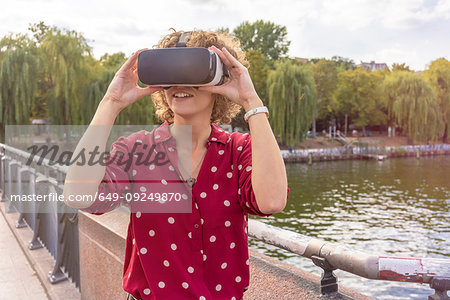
181 66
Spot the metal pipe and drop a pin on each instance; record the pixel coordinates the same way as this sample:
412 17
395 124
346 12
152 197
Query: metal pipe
406 269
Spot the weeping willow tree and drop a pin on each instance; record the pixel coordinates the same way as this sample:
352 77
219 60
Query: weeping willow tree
411 102
63 59
292 99
17 80
438 74
141 112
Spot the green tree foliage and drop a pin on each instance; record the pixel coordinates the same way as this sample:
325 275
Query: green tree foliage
18 65
62 54
343 63
358 97
258 69
412 104
53 76
265 36
292 98
438 74
113 61
325 77
400 67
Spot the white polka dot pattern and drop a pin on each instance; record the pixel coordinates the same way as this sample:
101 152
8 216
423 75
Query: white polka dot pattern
166 240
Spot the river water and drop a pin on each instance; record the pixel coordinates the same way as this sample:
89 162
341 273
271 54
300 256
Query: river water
397 207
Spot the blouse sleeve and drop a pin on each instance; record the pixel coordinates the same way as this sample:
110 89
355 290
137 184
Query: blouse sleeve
116 180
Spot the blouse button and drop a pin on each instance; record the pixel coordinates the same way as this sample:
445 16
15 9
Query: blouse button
196 226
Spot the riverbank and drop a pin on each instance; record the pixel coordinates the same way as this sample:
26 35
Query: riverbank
322 142
377 147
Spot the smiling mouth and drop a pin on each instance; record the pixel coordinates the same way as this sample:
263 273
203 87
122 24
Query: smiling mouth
182 95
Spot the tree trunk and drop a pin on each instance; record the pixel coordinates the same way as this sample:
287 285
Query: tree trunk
444 138
314 122
346 124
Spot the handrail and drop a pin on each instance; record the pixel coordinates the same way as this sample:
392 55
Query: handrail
43 161
433 271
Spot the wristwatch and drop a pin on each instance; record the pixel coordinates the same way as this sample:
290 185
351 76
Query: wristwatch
254 111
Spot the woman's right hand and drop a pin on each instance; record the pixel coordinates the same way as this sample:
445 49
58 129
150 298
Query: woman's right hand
123 89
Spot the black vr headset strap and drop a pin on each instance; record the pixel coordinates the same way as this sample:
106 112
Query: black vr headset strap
183 39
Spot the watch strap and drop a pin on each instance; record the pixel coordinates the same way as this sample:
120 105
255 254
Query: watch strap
256 110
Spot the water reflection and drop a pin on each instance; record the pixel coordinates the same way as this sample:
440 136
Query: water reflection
395 207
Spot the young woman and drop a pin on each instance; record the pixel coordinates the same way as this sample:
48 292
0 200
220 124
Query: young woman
201 252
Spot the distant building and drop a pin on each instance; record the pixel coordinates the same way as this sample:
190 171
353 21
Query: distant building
372 66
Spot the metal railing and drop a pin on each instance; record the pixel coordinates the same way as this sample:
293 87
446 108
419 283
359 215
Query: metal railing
54 224
58 232
329 257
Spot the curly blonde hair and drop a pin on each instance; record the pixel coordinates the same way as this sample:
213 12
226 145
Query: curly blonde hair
224 109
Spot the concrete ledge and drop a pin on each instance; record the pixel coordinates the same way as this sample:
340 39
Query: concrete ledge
102 251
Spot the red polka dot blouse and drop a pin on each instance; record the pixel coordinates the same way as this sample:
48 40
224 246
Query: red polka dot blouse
188 244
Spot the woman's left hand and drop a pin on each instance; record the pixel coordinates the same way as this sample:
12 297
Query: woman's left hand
239 88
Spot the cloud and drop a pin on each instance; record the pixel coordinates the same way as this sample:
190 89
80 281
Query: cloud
382 30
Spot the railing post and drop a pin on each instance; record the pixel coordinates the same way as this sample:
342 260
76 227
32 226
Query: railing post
57 275
441 287
10 208
21 220
328 282
34 243
2 171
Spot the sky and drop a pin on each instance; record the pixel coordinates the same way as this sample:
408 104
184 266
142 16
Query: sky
414 32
